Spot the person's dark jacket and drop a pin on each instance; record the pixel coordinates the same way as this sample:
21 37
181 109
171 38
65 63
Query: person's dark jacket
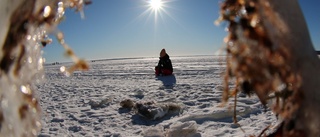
165 63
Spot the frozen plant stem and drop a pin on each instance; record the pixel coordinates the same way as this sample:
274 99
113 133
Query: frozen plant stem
24 26
269 47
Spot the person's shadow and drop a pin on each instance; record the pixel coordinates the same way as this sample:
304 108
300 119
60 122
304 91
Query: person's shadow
167 81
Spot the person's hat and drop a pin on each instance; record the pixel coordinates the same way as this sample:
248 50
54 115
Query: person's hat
163 53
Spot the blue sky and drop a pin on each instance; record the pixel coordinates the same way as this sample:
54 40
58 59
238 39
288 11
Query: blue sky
128 28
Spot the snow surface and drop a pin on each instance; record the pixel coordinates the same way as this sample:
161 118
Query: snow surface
88 103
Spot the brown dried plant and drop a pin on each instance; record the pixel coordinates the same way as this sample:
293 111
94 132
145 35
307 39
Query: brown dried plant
25 26
260 60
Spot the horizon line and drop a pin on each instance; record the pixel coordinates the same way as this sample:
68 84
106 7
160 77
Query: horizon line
126 58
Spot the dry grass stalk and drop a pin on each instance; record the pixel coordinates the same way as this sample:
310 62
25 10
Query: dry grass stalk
24 28
267 51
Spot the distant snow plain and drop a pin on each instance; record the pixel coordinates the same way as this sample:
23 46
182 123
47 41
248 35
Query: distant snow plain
88 103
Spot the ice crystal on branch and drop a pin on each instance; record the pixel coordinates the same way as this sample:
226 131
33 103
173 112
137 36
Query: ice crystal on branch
24 28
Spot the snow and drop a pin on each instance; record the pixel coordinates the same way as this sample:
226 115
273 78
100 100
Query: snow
88 103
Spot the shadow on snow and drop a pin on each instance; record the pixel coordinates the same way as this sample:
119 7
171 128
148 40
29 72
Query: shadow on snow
140 120
167 81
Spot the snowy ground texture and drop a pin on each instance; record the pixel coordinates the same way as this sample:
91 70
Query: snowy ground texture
88 103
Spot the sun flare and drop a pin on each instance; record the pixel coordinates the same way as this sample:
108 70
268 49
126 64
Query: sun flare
155 4
157 9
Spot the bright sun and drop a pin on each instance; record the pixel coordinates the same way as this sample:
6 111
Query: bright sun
156 7
155 4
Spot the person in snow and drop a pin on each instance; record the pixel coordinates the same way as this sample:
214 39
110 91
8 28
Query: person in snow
164 67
